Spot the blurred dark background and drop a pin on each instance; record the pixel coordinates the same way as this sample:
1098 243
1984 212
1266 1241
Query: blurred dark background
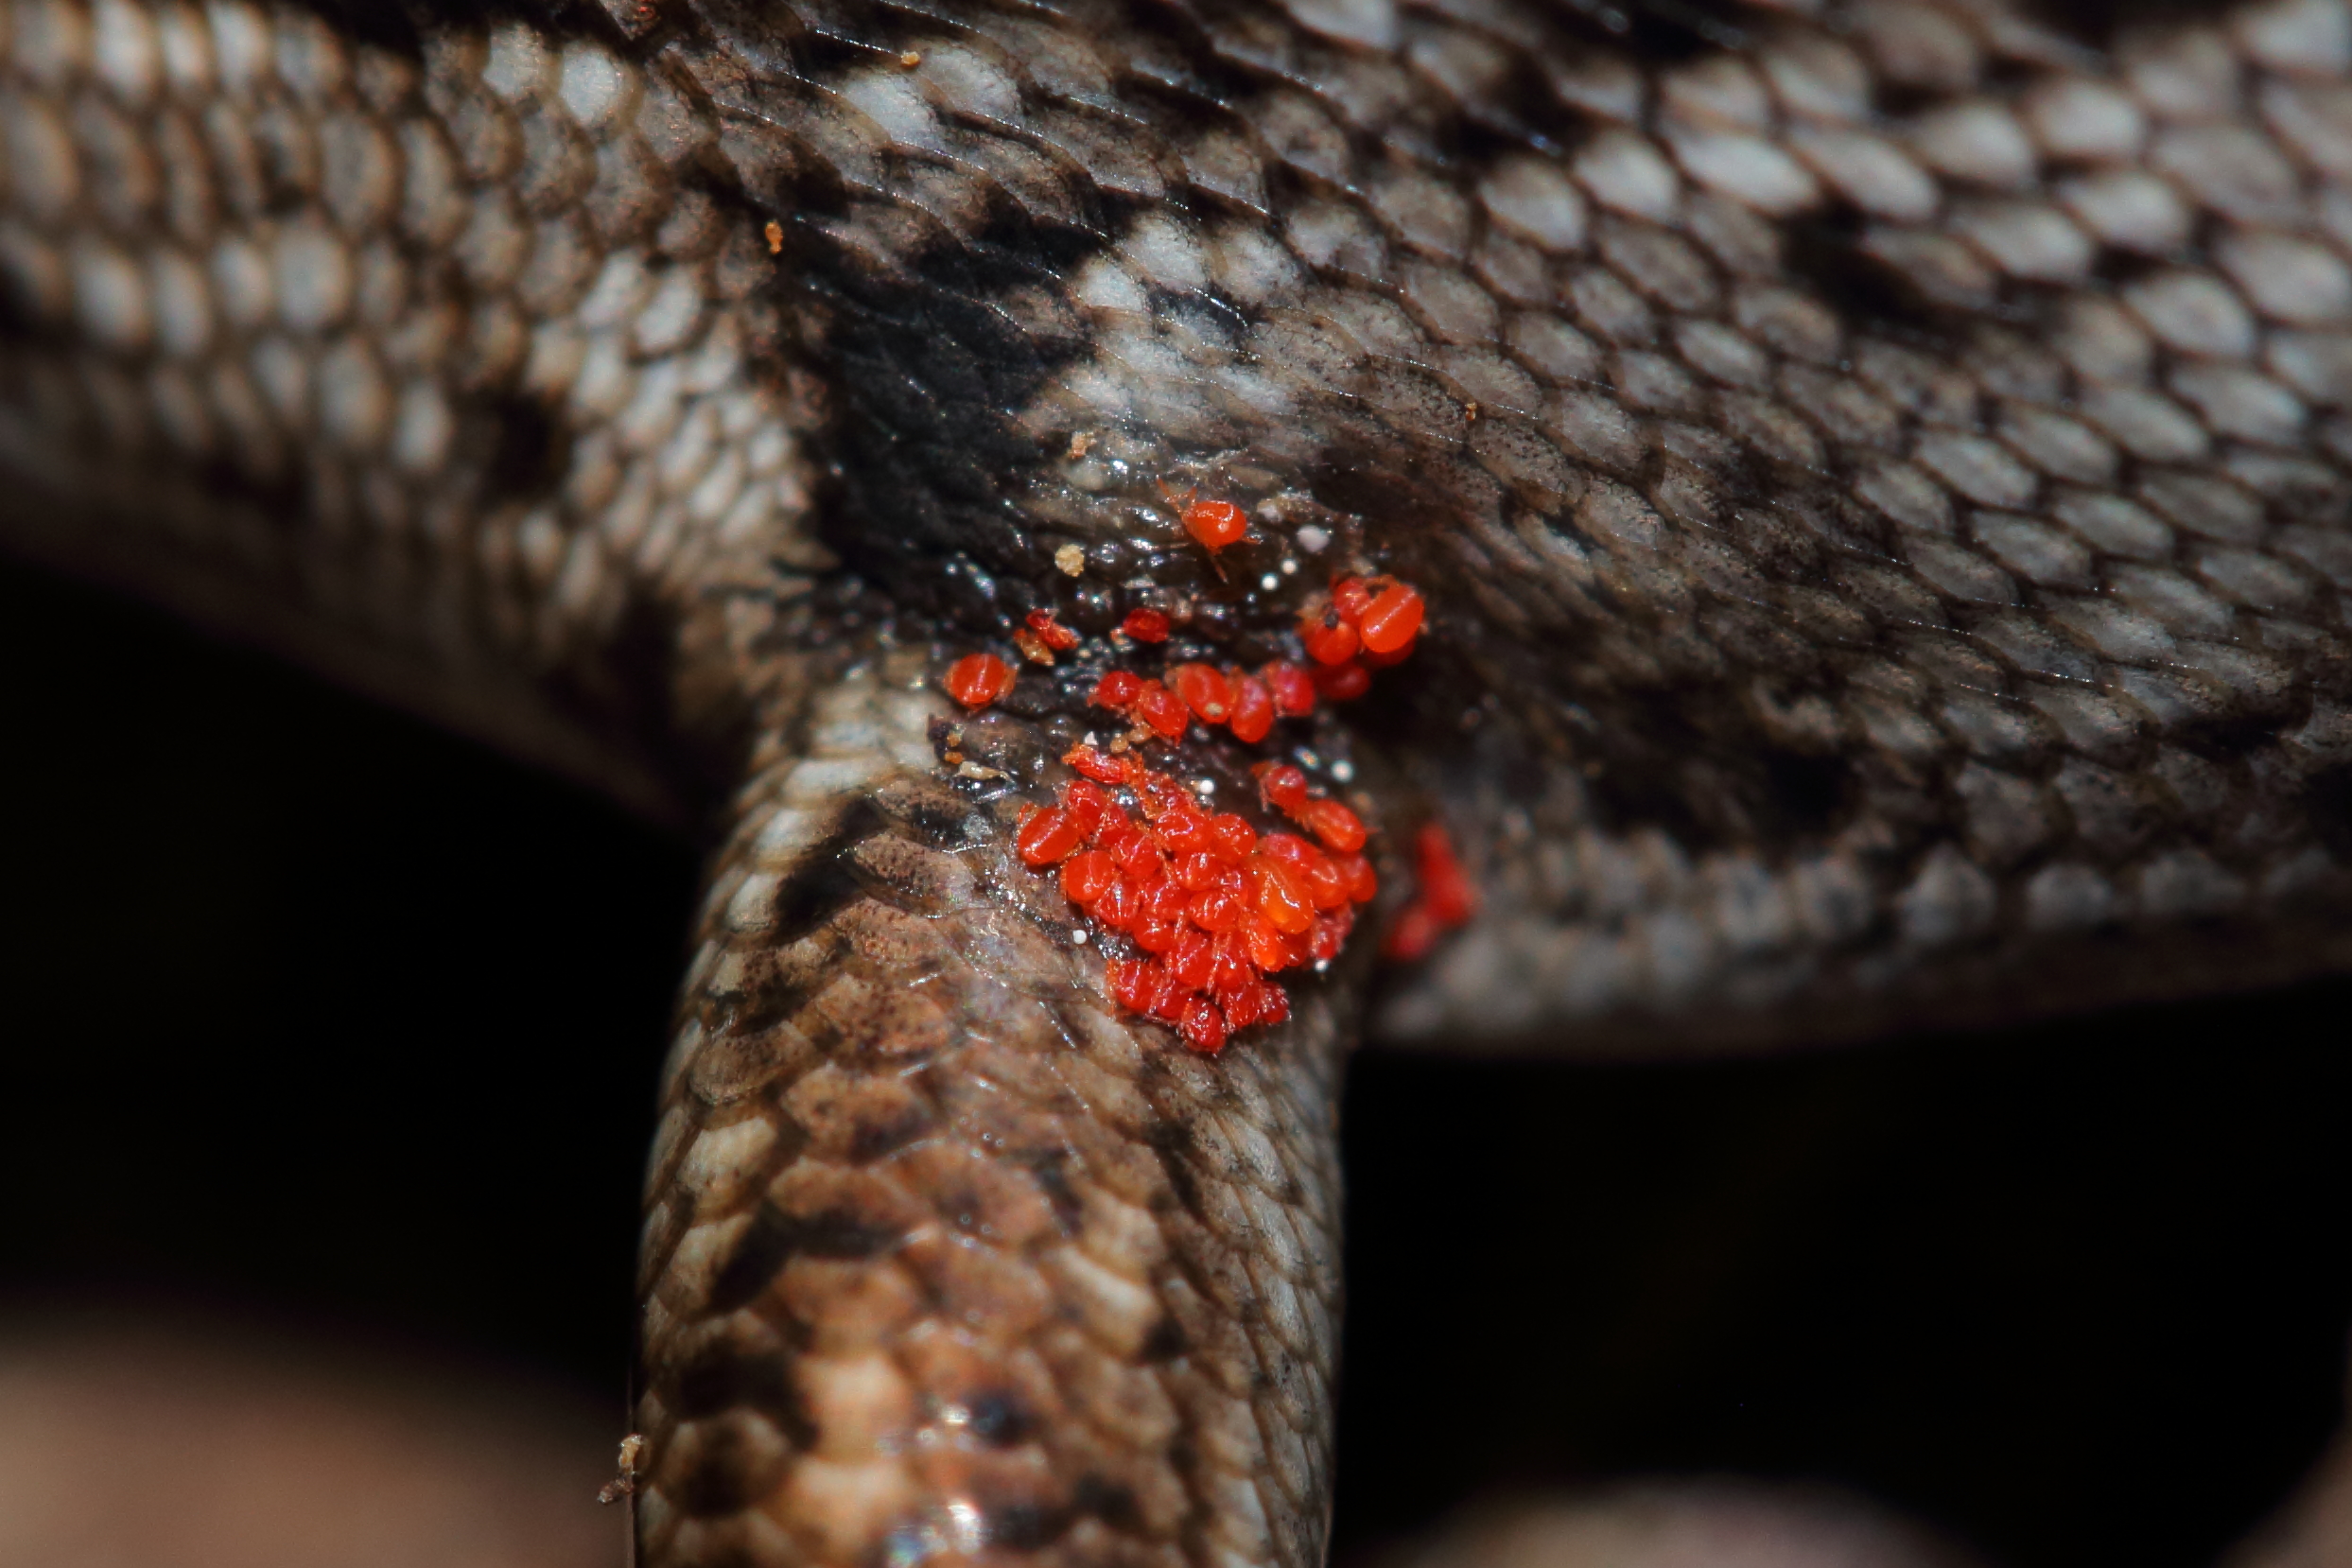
312 1015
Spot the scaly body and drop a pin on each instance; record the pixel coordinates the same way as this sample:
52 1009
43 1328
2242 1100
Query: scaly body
1876 478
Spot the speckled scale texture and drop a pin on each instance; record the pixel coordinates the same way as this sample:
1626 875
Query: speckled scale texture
424 355
1877 476
1876 471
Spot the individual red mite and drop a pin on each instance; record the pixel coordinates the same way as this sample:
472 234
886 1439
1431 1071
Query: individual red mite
1215 524
1293 689
1442 898
1252 707
1052 633
978 679
1281 786
1163 710
1206 691
1342 683
1145 625
1117 690
1393 619
1330 640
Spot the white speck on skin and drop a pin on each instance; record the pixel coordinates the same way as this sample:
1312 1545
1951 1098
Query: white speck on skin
1289 566
1079 936
965 1520
1070 561
1311 539
1269 582
1343 771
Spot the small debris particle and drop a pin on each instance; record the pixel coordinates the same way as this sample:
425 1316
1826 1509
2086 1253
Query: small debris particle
910 59
1070 561
1081 443
1313 539
774 232
624 1482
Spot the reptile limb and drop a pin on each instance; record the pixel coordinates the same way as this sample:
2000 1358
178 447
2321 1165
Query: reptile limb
1876 472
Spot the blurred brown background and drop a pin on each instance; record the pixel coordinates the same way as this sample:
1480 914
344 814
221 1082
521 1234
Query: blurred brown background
329 1043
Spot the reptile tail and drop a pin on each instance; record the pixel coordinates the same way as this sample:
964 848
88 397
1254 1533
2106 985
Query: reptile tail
943 1252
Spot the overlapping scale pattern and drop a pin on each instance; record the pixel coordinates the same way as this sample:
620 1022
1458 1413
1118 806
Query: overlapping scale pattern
426 355
1882 469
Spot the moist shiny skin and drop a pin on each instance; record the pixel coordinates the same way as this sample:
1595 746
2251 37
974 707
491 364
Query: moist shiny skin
1876 472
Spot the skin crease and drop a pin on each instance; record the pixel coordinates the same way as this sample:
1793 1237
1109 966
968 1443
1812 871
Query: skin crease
1883 468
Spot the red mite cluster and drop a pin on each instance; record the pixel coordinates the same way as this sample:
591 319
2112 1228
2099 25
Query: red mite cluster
1367 624
1215 906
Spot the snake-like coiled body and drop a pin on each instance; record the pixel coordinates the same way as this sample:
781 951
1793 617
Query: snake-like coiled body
1878 471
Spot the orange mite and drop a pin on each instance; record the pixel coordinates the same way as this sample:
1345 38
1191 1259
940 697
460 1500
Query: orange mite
978 679
1163 710
1413 935
1293 689
1391 621
1445 887
1333 824
1444 899
1048 838
1052 633
1343 683
1329 640
1283 787
1351 598
1212 524
1253 707
1215 524
1205 690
